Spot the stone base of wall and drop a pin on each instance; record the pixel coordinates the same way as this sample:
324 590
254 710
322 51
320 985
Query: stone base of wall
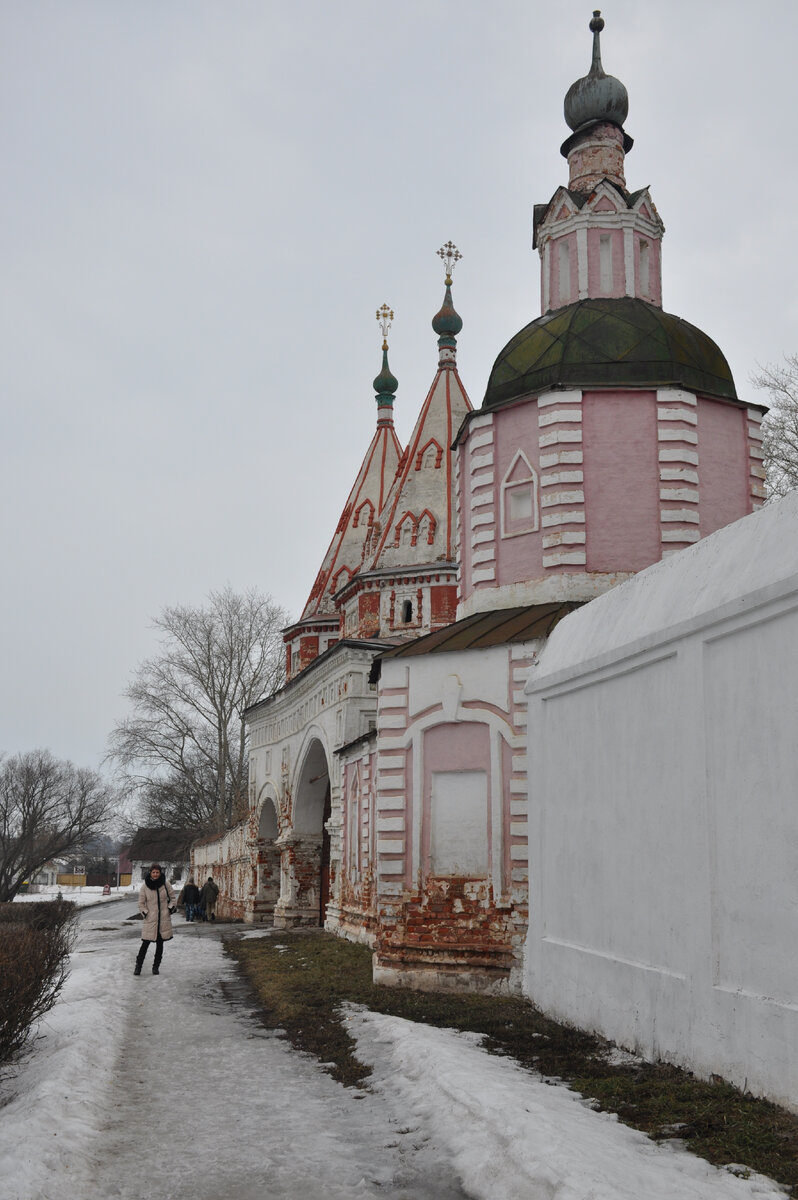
439 976
452 937
259 911
291 917
352 924
230 910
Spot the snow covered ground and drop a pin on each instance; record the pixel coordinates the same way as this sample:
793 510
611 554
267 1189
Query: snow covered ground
168 1086
83 897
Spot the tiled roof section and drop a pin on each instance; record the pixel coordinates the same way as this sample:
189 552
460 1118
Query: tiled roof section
623 342
160 844
481 630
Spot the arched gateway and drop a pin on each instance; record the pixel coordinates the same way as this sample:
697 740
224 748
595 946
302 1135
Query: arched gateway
305 844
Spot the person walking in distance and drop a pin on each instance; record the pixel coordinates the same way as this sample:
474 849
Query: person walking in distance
191 897
156 905
209 893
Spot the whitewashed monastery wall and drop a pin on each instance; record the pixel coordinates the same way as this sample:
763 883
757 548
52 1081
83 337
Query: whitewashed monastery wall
663 828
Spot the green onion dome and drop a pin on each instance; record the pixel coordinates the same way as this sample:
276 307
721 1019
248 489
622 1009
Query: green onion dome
608 343
385 383
447 323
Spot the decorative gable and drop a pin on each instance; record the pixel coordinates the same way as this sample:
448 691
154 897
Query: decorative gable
430 455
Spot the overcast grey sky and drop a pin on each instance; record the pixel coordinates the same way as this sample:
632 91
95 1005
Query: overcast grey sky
203 204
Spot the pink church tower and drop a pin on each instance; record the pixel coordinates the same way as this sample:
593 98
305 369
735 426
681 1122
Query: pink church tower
611 433
319 626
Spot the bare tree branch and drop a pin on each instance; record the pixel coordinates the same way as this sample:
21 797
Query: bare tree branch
48 807
184 748
780 426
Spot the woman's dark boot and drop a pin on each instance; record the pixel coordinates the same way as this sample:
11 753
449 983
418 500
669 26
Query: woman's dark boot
137 969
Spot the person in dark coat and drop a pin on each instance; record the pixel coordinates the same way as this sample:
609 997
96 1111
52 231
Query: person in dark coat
156 905
191 897
209 893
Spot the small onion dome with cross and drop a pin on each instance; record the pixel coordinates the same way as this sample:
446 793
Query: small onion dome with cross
447 323
386 383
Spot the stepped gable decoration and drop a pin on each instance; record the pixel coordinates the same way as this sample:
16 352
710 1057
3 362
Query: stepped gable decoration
418 522
357 526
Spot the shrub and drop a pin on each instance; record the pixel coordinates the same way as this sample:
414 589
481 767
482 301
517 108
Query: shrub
34 964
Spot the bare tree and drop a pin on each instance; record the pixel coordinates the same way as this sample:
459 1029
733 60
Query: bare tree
780 426
48 807
185 800
185 746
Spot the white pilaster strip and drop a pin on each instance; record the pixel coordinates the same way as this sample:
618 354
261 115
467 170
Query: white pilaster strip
581 261
678 484
629 260
496 821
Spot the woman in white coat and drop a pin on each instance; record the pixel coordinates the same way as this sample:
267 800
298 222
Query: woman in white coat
156 905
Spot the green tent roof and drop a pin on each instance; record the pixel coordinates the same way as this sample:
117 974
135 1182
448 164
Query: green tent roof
607 344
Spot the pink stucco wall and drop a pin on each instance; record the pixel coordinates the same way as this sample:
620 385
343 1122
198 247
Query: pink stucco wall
621 480
723 464
594 263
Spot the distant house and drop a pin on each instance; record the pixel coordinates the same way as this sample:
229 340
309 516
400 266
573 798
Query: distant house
47 875
171 848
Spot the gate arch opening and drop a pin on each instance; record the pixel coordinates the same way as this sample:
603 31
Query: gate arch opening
306 859
267 863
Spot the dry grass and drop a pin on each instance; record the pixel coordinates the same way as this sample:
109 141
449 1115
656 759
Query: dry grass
301 978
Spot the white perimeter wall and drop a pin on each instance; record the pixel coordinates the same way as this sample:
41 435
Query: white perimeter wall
663 810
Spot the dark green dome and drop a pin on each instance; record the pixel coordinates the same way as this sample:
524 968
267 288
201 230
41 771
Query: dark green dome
447 323
606 343
385 383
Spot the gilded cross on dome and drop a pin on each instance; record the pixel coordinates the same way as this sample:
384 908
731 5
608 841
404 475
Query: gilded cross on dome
450 256
384 319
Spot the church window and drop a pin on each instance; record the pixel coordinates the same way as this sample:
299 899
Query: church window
645 270
565 272
407 612
605 263
519 498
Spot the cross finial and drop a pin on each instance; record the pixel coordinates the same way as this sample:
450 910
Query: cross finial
450 256
384 319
